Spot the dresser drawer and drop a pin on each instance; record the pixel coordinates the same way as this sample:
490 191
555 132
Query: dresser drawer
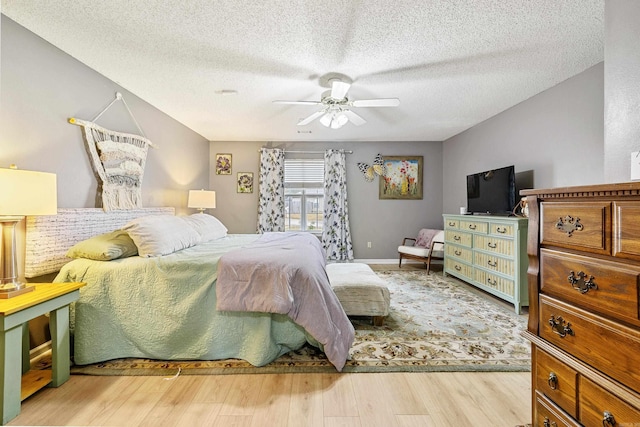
507 230
474 226
494 244
549 415
626 234
458 268
451 223
610 288
458 237
582 226
557 381
494 263
606 345
459 252
494 281
597 406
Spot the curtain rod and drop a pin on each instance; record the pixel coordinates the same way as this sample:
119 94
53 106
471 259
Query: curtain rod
311 152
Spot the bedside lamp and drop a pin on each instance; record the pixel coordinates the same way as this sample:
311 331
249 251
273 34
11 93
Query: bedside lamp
21 193
201 200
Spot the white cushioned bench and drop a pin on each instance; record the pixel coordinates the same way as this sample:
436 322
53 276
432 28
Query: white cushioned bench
360 291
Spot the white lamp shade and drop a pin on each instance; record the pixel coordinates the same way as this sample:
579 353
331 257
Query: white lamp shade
201 199
27 193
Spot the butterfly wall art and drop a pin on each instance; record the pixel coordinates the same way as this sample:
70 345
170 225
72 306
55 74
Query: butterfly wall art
370 172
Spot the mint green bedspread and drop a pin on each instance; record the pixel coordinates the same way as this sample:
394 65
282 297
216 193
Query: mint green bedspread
165 308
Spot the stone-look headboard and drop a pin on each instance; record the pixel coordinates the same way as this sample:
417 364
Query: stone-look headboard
48 238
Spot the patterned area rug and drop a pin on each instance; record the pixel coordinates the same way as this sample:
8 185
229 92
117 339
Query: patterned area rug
436 324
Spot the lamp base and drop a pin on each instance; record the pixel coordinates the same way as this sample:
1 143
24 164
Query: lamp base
6 293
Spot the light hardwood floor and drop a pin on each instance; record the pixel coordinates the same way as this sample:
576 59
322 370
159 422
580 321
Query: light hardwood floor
443 399
324 400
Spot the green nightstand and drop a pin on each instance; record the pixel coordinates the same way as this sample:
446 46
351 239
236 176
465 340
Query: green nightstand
16 381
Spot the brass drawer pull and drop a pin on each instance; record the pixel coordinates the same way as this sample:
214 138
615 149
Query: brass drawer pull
492 264
472 226
492 282
452 224
501 230
558 326
456 238
552 381
608 420
568 224
457 267
580 284
492 245
457 252
548 423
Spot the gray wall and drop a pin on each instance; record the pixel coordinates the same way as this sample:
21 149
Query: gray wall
382 222
41 87
622 89
557 136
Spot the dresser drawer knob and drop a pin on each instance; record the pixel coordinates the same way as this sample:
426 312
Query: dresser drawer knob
492 263
457 267
568 224
608 420
501 230
452 224
492 245
456 238
472 227
579 283
548 423
559 327
457 252
492 282
552 381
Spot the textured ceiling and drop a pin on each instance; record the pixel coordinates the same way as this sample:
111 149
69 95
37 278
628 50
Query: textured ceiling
451 63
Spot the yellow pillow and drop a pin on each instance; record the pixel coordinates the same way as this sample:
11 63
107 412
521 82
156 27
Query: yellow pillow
105 247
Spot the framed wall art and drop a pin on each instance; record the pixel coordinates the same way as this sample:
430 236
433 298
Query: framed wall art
245 182
223 164
402 178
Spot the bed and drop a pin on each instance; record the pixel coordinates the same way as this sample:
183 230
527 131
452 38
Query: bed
169 307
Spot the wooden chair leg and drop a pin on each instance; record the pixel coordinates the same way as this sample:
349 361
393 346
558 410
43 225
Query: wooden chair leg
400 262
428 263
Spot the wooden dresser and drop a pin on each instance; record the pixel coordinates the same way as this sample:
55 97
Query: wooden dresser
584 313
490 253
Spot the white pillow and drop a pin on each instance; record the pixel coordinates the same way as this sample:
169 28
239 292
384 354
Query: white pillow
208 226
157 235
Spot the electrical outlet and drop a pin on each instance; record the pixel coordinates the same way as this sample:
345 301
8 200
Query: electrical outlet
369 245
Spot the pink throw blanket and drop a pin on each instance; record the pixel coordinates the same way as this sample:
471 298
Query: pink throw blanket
285 273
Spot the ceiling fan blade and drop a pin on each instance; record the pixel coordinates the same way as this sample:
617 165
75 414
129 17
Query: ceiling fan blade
382 102
354 118
339 89
310 118
297 102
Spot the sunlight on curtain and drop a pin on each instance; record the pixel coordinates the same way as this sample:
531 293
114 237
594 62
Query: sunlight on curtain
336 235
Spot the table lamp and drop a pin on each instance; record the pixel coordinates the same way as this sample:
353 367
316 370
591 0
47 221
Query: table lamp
201 199
21 193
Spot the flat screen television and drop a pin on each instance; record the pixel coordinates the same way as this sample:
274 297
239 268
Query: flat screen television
492 191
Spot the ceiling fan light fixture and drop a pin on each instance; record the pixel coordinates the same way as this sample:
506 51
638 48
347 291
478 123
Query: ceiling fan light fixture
339 120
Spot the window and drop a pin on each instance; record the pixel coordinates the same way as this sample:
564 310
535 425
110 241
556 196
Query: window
303 194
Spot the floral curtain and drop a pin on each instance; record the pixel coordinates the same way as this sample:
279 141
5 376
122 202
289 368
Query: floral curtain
271 190
336 235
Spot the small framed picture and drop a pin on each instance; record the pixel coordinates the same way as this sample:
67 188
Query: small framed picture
245 182
223 164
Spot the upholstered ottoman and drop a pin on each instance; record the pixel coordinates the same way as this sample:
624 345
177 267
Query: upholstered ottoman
360 291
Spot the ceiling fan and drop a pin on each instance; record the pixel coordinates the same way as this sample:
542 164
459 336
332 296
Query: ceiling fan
336 106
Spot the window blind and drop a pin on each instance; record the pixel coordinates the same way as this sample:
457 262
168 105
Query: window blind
303 173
